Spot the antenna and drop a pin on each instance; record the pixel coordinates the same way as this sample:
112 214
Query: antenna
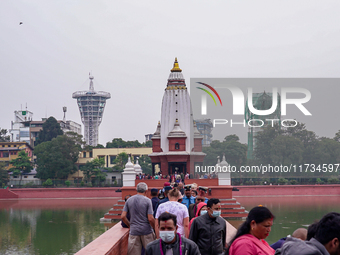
64 110
91 82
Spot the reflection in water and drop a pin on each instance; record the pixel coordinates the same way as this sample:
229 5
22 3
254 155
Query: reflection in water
50 229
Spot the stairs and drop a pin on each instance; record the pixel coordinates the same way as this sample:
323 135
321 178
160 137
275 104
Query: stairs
231 209
114 213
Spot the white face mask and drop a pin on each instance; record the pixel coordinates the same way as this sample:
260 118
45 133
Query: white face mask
203 212
167 236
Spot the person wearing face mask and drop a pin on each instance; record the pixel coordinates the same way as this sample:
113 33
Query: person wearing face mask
170 242
178 209
201 210
199 198
209 231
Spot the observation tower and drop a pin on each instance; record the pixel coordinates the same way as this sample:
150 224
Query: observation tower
261 101
91 105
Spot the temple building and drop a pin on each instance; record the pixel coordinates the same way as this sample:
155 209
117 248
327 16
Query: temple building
176 144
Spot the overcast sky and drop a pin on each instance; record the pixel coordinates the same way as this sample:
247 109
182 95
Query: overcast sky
130 46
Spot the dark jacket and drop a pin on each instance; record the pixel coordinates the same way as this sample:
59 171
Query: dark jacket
188 247
279 243
160 202
192 211
294 246
154 202
209 234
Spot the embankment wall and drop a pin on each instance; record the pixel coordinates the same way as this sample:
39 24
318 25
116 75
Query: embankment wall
112 242
65 192
244 191
287 190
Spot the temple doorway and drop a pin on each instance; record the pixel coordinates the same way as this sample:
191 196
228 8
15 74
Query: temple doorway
178 167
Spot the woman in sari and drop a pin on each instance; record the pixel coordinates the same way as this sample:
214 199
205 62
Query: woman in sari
249 239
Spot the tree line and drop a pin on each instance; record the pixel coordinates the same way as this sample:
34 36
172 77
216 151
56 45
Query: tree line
280 146
57 154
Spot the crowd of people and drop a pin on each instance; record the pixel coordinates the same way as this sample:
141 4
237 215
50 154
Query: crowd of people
176 220
321 238
181 220
174 178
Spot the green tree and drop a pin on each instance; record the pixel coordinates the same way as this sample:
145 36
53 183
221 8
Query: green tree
90 148
94 168
4 177
120 143
50 129
145 163
337 136
235 152
120 161
148 144
264 145
56 159
3 136
327 151
286 150
21 165
77 138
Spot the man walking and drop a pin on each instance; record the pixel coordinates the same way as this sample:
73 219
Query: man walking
188 199
209 230
141 222
171 242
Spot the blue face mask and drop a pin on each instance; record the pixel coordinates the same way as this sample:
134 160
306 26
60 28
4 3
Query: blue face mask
216 214
203 212
167 236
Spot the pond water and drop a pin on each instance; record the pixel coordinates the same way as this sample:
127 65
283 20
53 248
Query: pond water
291 212
64 226
58 226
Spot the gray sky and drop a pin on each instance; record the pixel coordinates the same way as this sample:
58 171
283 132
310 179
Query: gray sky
130 46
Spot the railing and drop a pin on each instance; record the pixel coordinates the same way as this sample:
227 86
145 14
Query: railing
112 242
96 93
61 183
115 241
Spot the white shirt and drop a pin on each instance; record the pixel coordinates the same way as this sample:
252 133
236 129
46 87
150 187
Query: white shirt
178 209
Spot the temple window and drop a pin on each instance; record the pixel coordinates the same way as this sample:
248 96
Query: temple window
176 146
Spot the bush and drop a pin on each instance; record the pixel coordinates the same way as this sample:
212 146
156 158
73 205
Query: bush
319 181
67 183
29 184
333 180
282 181
82 183
48 182
293 182
89 184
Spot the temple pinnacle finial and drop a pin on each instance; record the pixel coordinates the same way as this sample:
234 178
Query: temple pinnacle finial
176 67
